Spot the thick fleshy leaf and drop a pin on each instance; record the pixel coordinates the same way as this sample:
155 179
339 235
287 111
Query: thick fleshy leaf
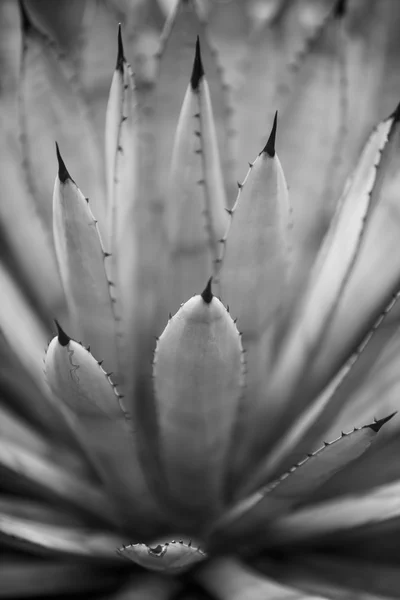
170 557
37 578
21 225
195 215
229 579
58 539
316 117
46 477
345 513
275 51
323 417
21 327
121 170
176 57
79 380
53 109
198 382
364 202
255 254
378 255
295 486
81 257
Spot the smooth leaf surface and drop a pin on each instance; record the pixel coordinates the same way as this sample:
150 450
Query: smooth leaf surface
77 378
81 256
299 483
55 539
198 383
65 118
254 266
195 217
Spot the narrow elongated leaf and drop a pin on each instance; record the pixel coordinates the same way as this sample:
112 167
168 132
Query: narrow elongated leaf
345 513
254 262
44 476
334 274
278 45
77 378
378 255
171 557
21 327
121 166
52 109
301 481
198 381
314 118
81 256
21 225
176 57
195 211
56 539
229 579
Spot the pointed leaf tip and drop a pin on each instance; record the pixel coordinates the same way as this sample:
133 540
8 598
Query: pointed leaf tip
340 8
63 174
207 294
120 56
380 423
396 113
198 71
63 338
269 147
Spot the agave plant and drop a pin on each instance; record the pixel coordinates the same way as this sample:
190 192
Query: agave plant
153 456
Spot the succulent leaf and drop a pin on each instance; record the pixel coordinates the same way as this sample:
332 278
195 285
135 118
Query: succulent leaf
60 540
45 75
300 482
176 59
80 256
344 513
195 217
332 277
21 327
122 188
44 475
198 383
170 557
378 256
231 579
77 379
254 267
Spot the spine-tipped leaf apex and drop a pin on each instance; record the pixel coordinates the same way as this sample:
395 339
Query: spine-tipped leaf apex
63 174
378 424
396 113
63 338
120 57
340 8
269 147
198 71
207 294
